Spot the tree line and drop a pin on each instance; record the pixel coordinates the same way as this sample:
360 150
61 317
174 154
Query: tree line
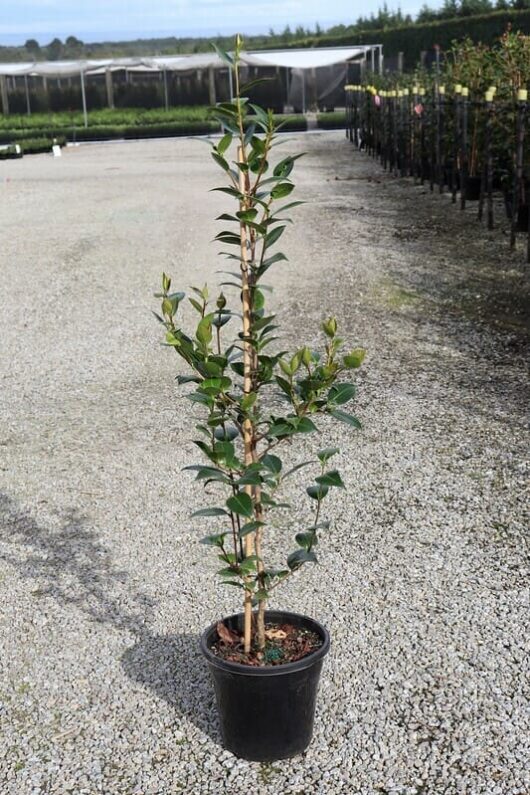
385 19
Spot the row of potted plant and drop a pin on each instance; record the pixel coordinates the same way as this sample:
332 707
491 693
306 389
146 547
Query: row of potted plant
447 132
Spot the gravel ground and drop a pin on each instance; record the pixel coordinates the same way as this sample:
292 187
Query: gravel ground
104 589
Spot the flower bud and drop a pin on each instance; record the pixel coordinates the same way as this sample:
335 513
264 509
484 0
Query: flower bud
306 356
329 327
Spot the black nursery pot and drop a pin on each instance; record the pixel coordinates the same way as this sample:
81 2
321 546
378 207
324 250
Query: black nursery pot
267 712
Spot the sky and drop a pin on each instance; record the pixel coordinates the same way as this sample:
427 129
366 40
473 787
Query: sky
99 20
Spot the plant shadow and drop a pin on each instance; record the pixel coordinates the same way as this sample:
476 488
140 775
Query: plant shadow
66 561
173 668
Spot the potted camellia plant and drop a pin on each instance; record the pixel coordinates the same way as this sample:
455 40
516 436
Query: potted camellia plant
265 663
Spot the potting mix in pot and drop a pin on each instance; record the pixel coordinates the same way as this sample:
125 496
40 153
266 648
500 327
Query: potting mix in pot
265 664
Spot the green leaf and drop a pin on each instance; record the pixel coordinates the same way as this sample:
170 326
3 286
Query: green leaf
296 559
209 512
250 478
279 428
219 159
331 478
195 304
212 386
272 237
208 473
247 215
241 504
225 451
187 379
224 143
354 358
306 540
250 527
228 572
223 55
256 82
285 166
272 463
248 401
284 385
260 596
341 393
214 540
349 419
230 191
200 397
204 330
289 206
282 190
305 425
248 565
317 492
325 454
266 264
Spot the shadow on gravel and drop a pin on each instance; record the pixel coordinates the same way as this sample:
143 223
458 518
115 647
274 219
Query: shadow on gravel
70 565
173 668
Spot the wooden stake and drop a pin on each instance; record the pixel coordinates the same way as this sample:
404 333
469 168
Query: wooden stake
246 301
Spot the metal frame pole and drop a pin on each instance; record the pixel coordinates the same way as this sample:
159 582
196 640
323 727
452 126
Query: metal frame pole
83 97
28 106
166 97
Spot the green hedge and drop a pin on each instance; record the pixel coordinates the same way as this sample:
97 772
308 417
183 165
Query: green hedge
31 146
412 40
332 121
110 132
10 153
34 146
103 118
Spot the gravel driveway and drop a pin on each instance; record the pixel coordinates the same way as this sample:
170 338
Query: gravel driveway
104 589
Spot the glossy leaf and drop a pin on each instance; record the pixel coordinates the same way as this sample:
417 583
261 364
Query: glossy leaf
306 540
209 512
282 190
250 527
317 492
341 393
349 419
241 504
214 540
272 463
331 478
298 558
327 453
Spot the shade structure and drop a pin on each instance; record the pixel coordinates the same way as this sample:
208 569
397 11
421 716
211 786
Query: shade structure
314 58
296 62
291 59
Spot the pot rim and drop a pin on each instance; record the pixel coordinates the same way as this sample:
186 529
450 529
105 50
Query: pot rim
268 670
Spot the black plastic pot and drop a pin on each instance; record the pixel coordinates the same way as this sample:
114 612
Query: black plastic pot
266 713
